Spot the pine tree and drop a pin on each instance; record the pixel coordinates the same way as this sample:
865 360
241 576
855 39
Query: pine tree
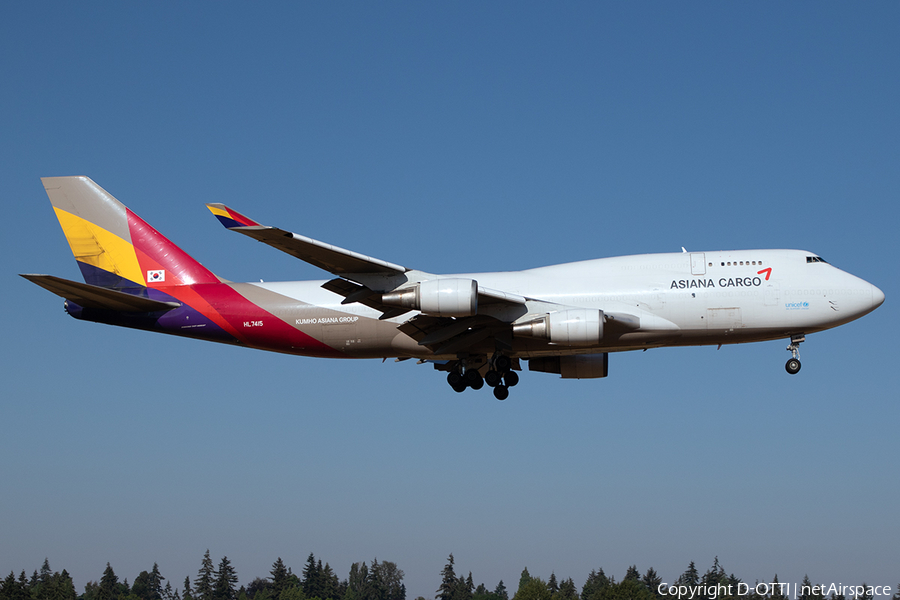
330 583
552 584
109 585
188 594
141 586
13 589
61 587
524 578
386 581
23 583
810 592
46 572
226 580
9 587
154 583
356 582
448 581
279 576
776 593
596 582
500 591
652 580
690 576
567 590
714 575
865 595
312 578
203 585
465 588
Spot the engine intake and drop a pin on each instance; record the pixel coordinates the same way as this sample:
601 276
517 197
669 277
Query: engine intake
573 327
439 297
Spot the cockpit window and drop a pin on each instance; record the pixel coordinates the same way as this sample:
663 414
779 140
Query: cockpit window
815 259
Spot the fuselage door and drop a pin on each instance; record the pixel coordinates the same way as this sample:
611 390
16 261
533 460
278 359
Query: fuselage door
698 263
771 293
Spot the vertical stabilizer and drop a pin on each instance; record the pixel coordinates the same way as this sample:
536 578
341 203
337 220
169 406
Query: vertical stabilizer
113 246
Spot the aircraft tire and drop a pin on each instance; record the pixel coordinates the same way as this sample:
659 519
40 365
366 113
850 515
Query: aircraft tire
511 379
492 378
502 363
501 392
792 366
479 383
455 379
459 388
471 377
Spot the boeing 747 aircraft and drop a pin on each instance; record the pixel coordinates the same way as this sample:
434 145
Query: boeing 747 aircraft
476 327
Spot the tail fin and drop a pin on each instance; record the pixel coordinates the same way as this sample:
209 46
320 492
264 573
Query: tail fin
114 247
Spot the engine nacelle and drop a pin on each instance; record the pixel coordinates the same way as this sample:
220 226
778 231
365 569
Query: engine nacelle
579 366
439 297
573 327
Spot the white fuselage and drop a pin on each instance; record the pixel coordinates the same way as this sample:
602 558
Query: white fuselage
681 299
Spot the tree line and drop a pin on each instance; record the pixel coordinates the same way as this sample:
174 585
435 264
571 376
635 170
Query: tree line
384 581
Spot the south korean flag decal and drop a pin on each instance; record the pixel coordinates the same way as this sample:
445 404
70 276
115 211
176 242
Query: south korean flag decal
156 276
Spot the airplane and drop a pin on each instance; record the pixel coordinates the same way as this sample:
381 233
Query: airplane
477 327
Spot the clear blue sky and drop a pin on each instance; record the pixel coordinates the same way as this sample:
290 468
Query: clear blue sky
453 137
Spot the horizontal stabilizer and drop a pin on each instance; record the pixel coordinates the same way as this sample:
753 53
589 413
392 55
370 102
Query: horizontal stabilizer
92 296
325 256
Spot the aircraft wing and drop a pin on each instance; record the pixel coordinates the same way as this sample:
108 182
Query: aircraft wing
325 256
346 264
364 279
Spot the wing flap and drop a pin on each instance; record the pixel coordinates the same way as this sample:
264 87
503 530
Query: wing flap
92 296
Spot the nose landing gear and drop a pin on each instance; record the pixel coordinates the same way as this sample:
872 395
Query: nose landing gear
792 366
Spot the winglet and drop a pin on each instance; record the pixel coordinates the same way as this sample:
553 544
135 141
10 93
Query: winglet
229 217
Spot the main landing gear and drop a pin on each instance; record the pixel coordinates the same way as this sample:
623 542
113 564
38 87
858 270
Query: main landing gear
792 366
499 376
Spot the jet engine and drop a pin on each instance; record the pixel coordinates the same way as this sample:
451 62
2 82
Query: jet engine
573 327
438 297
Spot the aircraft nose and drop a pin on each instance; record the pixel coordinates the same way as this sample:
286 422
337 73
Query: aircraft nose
877 297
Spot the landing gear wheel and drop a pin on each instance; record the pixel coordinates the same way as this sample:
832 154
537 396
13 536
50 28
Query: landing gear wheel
472 378
502 363
459 388
511 379
501 392
492 378
455 380
479 383
792 366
